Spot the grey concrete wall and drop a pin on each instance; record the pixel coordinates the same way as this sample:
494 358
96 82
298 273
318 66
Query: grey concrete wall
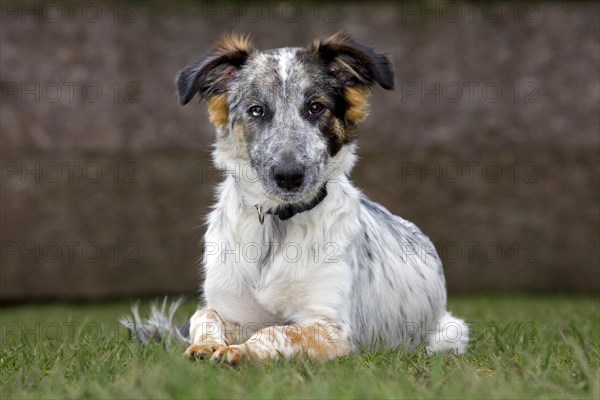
489 143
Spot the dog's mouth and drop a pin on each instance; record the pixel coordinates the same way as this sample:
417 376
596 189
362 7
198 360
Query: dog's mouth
301 198
291 198
298 195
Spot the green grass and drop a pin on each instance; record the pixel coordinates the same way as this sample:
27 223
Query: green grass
523 347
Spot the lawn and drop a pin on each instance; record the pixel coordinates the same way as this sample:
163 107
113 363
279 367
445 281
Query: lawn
523 347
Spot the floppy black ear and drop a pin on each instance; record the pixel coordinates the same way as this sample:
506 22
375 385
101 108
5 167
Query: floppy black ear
211 73
353 63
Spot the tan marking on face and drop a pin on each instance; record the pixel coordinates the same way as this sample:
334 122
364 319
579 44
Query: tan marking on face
344 133
218 110
358 106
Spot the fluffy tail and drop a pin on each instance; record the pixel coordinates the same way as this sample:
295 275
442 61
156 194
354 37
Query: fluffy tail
451 334
159 327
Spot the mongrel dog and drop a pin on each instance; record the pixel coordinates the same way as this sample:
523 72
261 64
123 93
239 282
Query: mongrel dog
298 262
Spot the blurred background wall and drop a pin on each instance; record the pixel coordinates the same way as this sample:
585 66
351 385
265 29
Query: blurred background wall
490 142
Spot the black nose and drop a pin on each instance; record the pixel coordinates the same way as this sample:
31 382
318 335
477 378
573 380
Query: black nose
288 176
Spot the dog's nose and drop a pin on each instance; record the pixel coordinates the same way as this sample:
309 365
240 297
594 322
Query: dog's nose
288 176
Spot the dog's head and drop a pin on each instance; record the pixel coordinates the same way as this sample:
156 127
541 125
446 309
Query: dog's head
290 114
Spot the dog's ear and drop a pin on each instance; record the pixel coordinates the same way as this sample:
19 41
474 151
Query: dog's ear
211 73
354 64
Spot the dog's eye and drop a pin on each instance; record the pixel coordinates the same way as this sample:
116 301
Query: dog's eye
315 108
256 111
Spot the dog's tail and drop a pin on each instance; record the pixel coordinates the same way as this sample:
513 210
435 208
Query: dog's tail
451 334
159 326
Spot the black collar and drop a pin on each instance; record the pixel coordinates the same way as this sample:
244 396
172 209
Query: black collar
287 211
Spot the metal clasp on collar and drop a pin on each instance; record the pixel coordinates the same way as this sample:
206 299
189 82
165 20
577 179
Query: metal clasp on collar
261 214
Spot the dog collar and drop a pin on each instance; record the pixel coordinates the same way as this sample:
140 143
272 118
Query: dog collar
289 210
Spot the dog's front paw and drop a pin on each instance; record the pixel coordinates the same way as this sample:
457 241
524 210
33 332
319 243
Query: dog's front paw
201 351
232 355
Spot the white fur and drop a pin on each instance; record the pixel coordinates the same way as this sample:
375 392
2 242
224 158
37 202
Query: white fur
451 335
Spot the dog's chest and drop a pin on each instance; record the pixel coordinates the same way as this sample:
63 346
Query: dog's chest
283 267
284 272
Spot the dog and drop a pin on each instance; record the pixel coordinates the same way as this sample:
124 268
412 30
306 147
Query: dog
297 261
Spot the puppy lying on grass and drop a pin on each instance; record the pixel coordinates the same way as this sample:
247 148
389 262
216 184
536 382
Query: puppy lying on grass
297 260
